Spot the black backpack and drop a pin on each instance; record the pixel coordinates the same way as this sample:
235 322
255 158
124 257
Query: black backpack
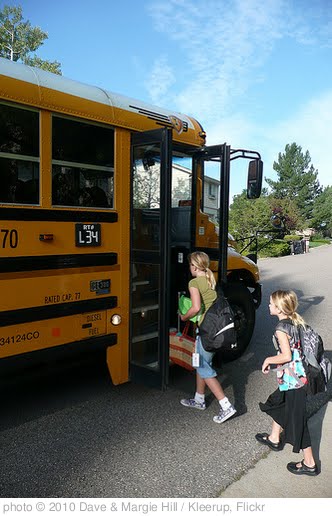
316 365
217 329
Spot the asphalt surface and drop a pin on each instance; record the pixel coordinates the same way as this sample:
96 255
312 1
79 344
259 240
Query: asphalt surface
66 431
268 478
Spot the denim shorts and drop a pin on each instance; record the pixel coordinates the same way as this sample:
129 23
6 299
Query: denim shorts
205 369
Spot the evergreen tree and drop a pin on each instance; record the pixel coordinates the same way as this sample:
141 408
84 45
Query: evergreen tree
297 179
322 213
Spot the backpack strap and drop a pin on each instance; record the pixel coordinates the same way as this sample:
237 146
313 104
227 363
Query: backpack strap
285 324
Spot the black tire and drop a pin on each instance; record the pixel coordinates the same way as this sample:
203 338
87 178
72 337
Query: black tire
243 307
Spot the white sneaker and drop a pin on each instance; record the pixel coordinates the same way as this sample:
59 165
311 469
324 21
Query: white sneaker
224 414
192 403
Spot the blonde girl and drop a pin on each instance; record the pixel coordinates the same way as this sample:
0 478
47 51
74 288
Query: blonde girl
203 294
287 405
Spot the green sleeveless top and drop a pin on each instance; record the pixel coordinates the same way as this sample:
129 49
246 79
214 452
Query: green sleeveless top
208 295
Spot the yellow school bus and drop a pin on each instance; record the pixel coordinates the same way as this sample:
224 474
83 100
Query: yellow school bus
92 247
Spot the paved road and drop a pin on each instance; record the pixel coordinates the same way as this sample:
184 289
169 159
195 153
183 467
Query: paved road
67 432
269 478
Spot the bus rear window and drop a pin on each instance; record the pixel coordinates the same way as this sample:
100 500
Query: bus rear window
19 155
82 164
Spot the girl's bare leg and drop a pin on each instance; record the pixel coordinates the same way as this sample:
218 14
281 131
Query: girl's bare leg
275 432
308 457
200 384
215 388
213 385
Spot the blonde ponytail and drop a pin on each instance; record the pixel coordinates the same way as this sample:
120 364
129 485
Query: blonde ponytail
287 302
210 278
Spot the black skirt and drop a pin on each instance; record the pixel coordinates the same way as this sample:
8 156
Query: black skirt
288 409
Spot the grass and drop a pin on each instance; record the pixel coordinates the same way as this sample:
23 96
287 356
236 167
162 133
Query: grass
317 243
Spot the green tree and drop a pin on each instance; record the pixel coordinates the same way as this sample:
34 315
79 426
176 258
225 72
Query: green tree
297 179
246 216
18 39
49 66
322 214
250 218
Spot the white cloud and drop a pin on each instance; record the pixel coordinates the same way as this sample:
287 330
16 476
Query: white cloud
225 45
311 22
238 132
309 128
160 80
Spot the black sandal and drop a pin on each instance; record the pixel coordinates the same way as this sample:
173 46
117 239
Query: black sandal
264 439
303 469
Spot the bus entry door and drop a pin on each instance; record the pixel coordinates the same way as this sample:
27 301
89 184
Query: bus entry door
150 260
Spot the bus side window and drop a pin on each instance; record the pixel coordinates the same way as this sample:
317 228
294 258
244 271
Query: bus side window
82 164
8 179
19 155
94 197
27 192
15 190
99 197
63 188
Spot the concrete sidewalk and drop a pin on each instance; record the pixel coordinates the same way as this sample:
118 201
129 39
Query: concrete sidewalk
269 478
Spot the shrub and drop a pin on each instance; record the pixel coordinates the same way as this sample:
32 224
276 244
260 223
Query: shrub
274 249
287 238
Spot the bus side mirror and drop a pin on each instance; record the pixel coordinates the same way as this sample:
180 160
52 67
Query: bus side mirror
279 223
255 177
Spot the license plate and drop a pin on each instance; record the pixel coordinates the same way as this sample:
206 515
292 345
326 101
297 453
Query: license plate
88 235
100 286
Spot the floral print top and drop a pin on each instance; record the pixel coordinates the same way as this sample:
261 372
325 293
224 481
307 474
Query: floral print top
291 375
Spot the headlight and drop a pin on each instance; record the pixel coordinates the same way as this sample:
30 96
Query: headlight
116 319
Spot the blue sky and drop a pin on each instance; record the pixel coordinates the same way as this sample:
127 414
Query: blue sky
256 74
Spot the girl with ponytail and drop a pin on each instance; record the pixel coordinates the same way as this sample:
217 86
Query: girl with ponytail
287 405
202 295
